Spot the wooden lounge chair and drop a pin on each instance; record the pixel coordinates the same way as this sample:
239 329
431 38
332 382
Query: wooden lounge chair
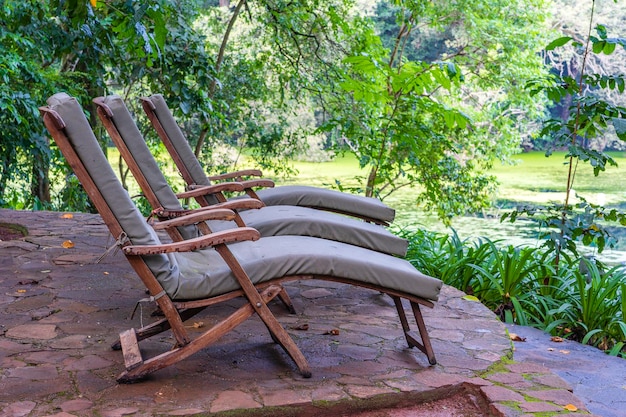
369 209
187 276
269 220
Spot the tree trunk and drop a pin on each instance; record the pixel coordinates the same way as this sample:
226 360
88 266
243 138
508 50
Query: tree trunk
218 65
40 182
371 181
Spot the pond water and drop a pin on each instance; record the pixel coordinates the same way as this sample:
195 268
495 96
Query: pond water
522 232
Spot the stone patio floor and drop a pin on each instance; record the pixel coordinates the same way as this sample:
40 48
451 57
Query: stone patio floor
60 311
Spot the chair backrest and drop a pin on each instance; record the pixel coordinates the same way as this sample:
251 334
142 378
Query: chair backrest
140 161
176 143
82 150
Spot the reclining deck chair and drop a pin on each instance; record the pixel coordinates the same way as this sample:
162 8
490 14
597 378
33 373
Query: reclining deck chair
187 276
268 220
369 209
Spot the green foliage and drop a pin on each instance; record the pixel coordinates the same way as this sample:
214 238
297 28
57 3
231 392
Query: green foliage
58 46
72 197
582 222
448 257
407 120
589 116
592 312
22 83
511 276
582 300
239 78
599 320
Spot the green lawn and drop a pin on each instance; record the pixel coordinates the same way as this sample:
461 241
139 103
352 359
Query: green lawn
540 179
535 178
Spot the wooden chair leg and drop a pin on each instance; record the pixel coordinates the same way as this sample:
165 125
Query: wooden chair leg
284 297
402 315
426 346
137 368
158 326
410 336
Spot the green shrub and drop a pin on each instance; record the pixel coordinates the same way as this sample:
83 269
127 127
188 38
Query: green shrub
598 305
509 276
582 299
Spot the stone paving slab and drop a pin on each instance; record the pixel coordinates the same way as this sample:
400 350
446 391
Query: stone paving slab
60 311
599 380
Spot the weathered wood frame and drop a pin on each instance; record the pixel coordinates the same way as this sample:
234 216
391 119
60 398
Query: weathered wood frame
176 312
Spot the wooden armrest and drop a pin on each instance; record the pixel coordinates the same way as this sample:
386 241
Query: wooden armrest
218 238
200 190
239 204
195 216
236 174
258 183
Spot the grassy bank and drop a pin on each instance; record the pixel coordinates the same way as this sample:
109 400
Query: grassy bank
535 178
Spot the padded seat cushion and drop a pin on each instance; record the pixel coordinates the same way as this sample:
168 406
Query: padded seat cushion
304 195
282 256
304 221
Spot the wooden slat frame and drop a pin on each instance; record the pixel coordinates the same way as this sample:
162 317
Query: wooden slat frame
137 368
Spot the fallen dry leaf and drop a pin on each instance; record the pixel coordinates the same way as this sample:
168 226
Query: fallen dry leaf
303 326
105 273
333 332
516 338
571 407
556 339
67 216
21 291
68 244
565 352
198 324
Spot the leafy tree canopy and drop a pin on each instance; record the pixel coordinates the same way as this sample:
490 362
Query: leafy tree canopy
420 91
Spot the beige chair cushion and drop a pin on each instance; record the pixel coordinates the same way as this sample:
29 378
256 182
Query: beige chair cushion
304 221
275 257
308 196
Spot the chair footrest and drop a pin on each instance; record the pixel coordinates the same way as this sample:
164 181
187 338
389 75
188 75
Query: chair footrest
130 349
